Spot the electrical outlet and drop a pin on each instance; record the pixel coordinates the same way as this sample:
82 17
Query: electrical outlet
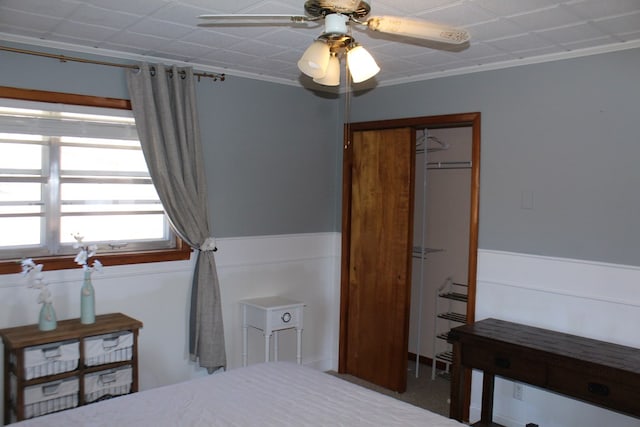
517 391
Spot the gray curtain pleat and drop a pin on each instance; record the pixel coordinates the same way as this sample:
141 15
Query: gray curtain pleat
164 106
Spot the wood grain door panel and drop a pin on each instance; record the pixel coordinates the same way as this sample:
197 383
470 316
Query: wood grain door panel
378 274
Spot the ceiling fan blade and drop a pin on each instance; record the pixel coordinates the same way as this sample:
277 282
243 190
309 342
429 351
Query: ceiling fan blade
253 17
417 28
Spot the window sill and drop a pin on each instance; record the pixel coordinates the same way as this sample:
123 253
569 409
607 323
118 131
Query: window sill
182 252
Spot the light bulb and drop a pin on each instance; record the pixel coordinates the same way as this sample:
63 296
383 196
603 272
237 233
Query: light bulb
361 64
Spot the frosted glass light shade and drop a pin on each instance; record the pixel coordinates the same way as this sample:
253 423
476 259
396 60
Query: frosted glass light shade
361 64
315 59
332 76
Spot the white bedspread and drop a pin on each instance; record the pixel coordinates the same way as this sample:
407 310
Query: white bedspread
270 394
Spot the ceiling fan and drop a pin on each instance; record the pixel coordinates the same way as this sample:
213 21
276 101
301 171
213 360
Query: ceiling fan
321 60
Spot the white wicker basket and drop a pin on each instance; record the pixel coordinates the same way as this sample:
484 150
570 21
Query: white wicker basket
50 397
106 384
101 349
51 359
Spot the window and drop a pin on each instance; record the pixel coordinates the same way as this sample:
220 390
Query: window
68 168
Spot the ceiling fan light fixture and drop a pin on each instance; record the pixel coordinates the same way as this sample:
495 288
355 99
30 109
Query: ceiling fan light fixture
320 61
361 64
332 76
315 59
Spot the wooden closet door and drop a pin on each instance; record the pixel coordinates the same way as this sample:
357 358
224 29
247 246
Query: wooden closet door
377 249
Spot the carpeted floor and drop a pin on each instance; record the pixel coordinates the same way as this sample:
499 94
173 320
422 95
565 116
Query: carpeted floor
422 391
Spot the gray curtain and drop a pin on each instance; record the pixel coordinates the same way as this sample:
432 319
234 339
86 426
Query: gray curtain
164 106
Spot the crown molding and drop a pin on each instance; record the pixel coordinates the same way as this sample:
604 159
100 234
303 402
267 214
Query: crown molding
254 76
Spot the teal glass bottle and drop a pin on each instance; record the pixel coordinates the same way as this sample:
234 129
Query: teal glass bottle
87 300
47 320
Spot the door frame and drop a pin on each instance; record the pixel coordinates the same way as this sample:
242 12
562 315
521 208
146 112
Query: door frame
472 120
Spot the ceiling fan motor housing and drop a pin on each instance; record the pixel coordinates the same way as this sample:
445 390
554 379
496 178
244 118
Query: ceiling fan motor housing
335 23
353 8
335 32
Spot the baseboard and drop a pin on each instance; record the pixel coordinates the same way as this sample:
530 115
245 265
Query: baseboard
427 361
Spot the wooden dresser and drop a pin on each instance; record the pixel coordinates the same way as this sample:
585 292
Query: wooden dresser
69 366
597 372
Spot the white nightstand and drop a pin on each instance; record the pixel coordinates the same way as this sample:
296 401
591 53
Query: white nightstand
271 314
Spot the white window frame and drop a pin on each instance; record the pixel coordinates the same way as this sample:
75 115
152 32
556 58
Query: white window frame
166 249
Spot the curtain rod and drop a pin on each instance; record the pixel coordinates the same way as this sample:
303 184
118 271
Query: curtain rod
63 58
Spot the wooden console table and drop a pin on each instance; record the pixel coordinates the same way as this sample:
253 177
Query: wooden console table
597 372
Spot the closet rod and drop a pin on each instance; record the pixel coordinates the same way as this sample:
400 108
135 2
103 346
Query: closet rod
63 58
449 165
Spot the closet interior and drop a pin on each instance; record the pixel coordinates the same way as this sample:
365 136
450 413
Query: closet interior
440 245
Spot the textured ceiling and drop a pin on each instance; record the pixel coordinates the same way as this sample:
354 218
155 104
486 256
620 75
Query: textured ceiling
503 33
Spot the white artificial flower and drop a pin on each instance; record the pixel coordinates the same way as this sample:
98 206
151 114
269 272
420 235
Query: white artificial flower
27 266
78 242
35 277
35 280
81 258
86 252
92 250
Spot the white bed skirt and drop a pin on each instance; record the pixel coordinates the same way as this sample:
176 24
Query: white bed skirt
269 394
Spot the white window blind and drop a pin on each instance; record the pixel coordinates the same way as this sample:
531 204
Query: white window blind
67 169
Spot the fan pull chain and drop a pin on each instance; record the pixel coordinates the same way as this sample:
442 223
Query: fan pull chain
347 105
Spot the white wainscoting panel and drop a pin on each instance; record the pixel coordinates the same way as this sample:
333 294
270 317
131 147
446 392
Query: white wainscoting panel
302 266
591 299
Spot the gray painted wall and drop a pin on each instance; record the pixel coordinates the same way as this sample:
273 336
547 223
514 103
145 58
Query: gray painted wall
564 133
272 158
272 151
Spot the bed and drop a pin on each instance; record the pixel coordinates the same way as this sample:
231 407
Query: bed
267 394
